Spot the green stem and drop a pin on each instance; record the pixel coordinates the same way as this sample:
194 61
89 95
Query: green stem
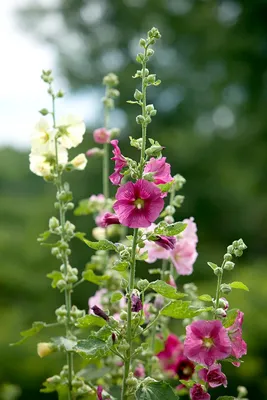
65 260
144 125
218 289
128 358
106 170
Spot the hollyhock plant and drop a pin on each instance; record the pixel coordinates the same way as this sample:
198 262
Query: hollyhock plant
198 393
239 346
206 342
101 135
213 376
138 204
120 163
160 169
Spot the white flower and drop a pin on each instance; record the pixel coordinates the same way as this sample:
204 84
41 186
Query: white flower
99 233
74 130
42 136
79 162
39 165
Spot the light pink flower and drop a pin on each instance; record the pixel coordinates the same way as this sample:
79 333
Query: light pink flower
197 393
120 163
239 346
206 342
95 151
183 256
139 371
98 199
154 251
160 169
171 281
173 348
213 376
96 300
190 232
138 204
101 135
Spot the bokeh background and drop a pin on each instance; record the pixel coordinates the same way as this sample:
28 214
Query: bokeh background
212 118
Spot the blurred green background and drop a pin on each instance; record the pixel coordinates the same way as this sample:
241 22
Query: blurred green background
212 118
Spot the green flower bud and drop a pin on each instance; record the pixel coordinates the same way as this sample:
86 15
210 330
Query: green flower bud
235 244
170 210
230 249
61 311
140 58
149 107
220 312
142 284
61 284
229 265
53 223
55 251
150 52
218 271
76 382
123 315
111 80
60 93
227 257
225 288
131 380
72 278
242 391
241 245
54 379
142 42
169 219
238 252
44 111
140 119
124 346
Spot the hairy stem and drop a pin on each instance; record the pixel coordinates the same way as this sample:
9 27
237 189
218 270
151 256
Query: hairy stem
218 289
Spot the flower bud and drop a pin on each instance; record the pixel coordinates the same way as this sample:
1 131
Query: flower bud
170 210
44 349
227 257
238 252
54 379
70 206
169 219
95 151
150 52
100 313
44 111
142 42
230 249
217 271
138 95
53 223
61 284
123 315
140 119
220 312
142 284
242 391
131 380
229 265
110 80
101 135
223 303
226 288
124 283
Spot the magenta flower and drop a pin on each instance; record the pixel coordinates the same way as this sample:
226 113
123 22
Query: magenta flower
139 371
101 135
106 218
197 393
120 163
138 204
167 242
184 368
160 169
206 342
99 391
173 348
239 346
213 376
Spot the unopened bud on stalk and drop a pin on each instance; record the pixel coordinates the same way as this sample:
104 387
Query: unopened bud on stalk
44 349
226 288
229 265
220 312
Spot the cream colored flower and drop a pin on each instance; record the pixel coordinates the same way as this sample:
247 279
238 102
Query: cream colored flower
40 166
44 349
99 233
79 162
74 130
42 137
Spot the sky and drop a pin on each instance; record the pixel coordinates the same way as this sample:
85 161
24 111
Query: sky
22 93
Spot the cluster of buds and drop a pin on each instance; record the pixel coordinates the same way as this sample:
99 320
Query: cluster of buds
75 313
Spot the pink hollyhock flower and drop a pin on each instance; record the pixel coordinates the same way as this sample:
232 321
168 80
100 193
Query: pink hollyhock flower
184 368
101 135
173 348
96 300
146 308
139 371
160 169
239 346
183 256
105 219
136 303
190 232
197 393
95 151
120 163
138 204
206 342
213 376
167 242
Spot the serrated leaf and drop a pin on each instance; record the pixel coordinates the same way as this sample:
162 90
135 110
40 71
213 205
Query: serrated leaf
66 343
165 290
155 391
239 285
116 296
55 276
90 320
90 276
100 245
165 187
178 309
230 317
212 265
91 348
36 327
205 297
120 266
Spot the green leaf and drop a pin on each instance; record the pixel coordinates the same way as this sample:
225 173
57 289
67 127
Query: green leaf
66 343
36 327
90 276
205 297
55 276
44 236
91 348
232 359
239 285
178 309
189 384
166 290
120 266
155 391
212 265
100 245
132 102
116 296
226 398
165 187
90 320
171 229
230 318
